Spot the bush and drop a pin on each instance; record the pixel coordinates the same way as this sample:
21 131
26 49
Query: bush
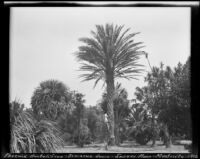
141 133
143 136
122 137
47 137
83 137
67 137
22 134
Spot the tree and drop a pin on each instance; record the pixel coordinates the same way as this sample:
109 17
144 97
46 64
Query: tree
78 113
74 122
108 55
121 111
156 95
140 120
50 99
168 94
67 124
178 106
95 122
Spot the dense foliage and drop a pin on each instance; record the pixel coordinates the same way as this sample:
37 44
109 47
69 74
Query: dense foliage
96 123
29 135
74 123
50 99
167 97
121 111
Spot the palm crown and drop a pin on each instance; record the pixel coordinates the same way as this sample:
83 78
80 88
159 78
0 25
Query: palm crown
109 51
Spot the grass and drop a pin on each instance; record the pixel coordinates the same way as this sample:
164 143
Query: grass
126 147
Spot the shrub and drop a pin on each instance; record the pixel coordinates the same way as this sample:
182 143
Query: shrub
29 135
141 133
122 137
67 137
47 137
83 137
22 134
143 136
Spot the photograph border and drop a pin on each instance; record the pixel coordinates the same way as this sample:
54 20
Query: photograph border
194 75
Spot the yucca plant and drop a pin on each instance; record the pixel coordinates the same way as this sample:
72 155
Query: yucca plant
29 135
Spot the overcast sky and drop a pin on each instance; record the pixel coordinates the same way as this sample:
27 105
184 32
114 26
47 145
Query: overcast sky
43 40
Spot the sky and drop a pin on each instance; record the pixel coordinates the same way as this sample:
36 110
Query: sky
43 40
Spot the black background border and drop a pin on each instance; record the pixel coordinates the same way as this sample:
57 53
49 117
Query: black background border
195 80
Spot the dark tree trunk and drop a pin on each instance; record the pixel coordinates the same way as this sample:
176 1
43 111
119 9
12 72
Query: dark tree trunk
117 136
153 130
79 131
110 94
167 138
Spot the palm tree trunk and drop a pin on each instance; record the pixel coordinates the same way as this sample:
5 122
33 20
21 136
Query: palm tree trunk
110 94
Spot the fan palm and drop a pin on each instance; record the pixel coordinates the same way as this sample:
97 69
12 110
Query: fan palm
50 99
111 53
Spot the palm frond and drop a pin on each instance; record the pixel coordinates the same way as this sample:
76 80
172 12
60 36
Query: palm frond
98 79
45 93
30 136
111 49
22 136
48 137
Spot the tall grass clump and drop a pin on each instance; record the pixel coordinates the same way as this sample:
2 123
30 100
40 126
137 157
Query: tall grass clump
29 135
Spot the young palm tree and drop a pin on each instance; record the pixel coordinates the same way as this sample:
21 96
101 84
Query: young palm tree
111 53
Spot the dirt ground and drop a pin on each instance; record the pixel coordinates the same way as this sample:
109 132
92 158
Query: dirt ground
126 147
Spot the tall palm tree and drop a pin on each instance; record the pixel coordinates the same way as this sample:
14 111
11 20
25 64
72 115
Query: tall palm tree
111 53
120 106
